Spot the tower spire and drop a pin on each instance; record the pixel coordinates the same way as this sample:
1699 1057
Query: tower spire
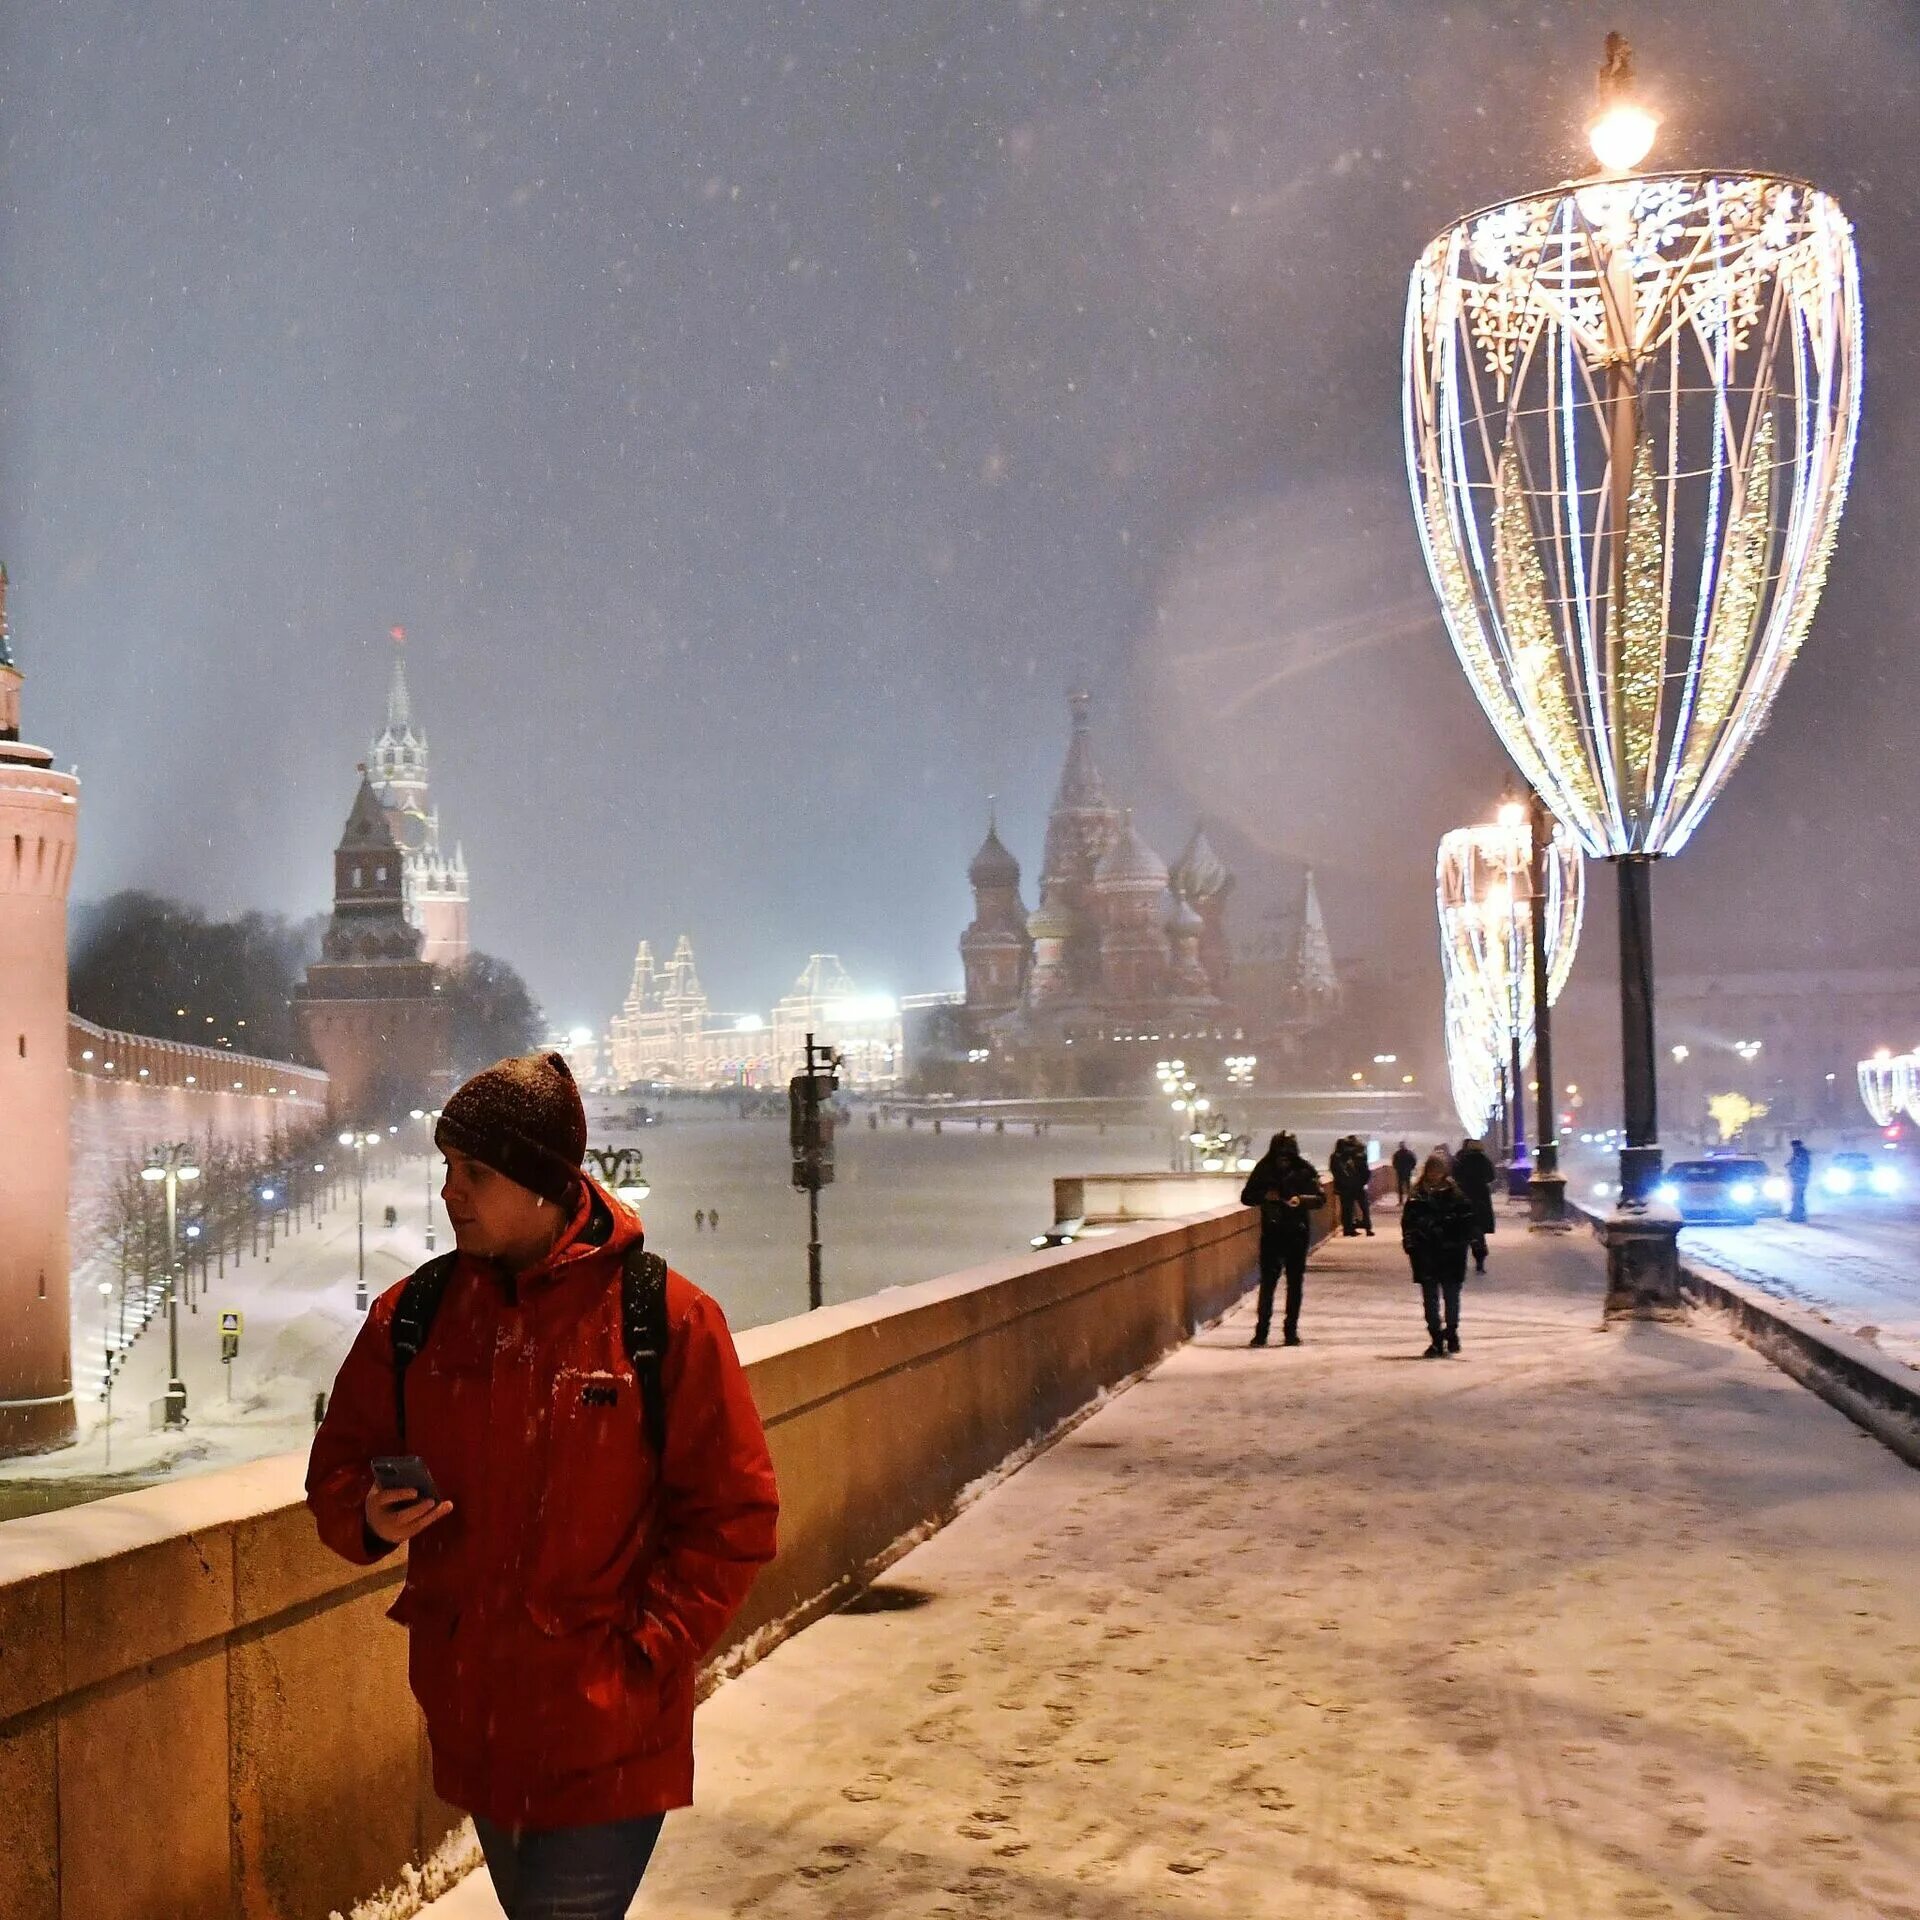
399 706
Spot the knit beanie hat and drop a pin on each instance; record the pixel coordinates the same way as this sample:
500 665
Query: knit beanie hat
521 1117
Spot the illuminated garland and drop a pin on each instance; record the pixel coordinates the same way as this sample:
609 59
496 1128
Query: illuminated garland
1539 673
1736 610
1640 634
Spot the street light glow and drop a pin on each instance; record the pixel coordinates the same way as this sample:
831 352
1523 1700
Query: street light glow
1623 136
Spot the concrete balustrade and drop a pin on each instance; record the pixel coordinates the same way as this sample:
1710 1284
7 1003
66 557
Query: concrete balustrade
203 1712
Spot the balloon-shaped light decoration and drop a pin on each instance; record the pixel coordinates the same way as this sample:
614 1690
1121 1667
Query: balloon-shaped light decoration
1630 417
1890 1086
1906 1084
1483 893
1630 407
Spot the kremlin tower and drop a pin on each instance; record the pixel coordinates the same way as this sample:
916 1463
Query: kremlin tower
434 883
39 811
370 1010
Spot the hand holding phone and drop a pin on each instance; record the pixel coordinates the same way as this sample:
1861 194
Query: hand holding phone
403 1500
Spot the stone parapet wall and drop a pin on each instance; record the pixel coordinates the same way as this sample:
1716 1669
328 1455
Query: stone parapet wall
203 1712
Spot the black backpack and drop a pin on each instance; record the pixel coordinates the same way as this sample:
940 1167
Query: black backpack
643 1332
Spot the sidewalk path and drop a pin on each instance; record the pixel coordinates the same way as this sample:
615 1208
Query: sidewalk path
1578 1625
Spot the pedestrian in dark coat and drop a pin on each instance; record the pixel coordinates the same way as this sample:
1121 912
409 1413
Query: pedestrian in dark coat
567 1581
1474 1175
1405 1161
1352 1176
1800 1173
1435 1227
1286 1188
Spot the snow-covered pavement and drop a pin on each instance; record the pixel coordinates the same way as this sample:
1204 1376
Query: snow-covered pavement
1580 1624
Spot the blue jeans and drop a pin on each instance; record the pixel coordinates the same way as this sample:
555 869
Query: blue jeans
568 1873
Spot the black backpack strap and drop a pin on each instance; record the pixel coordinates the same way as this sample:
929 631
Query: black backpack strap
412 1321
643 1331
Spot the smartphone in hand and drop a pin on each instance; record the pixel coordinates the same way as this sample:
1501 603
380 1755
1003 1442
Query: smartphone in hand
392 1471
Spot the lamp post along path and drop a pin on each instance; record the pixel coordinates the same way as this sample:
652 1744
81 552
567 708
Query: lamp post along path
1631 404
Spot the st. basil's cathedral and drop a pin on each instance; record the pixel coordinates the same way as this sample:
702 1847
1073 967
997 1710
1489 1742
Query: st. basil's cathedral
1124 957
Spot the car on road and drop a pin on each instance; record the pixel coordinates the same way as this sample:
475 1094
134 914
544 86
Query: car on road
1861 1176
1725 1190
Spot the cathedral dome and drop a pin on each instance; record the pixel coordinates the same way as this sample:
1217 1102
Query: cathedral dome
993 866
1131 864
1200 874
1050 922
1183 923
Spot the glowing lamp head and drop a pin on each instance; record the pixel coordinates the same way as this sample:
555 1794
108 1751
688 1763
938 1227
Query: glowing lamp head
1622 136
1511 813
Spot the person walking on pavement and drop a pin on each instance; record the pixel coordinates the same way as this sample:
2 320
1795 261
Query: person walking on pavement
1286 1188
699 1219
560 1430
1405 1160
1351 1178
1800 1174
1435 1226
1473 1174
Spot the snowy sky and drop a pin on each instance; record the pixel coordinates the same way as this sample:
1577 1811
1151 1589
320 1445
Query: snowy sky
760 415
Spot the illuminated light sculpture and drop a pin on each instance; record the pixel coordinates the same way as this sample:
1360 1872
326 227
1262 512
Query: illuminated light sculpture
1483 891
1890 1086
1906 1085
1631 404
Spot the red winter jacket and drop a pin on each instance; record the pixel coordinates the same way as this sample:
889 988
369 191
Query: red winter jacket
559 1612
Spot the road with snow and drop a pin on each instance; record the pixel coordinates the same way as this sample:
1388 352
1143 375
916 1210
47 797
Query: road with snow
1855 1261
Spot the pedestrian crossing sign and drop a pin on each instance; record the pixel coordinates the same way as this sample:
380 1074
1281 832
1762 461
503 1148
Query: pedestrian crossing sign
232 1322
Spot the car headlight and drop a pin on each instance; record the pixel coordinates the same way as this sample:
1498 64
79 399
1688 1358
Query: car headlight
1668 1192
1775 1188
1741 1193
1886 1180
1838 1180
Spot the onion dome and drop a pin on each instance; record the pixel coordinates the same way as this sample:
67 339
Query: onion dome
993 866
1130 864
1200 874
1183 923
1050 921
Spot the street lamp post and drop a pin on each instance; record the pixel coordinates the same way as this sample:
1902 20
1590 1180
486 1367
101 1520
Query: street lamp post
360 1142
171 1165
1631 409
1547 1190
429 1118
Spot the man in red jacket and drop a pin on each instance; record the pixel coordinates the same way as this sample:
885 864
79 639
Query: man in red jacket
565 1583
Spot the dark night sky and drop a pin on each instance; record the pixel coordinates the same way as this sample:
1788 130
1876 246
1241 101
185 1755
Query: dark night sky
760 415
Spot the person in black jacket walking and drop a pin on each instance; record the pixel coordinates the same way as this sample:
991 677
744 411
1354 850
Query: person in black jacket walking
1351 1176
1286 1188
1405 1161
1473 1174
1435 1226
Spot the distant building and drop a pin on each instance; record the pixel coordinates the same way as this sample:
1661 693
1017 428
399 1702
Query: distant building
370 1010
1122 958
39 819
434 882
863 1028
666 1033
1789 1039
